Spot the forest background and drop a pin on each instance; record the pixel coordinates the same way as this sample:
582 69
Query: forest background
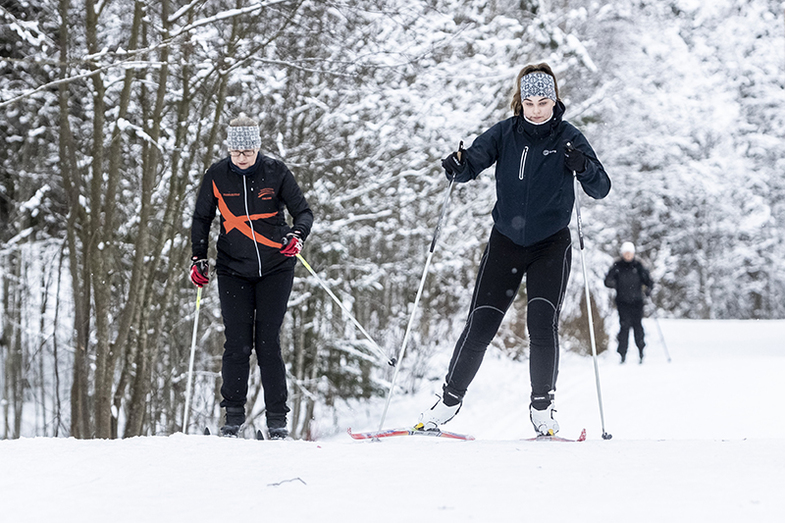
112 110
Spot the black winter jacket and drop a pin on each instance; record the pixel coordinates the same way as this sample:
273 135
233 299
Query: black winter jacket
629 279
534 188
252 218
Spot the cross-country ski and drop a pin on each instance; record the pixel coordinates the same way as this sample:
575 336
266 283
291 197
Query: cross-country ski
556 437
378 434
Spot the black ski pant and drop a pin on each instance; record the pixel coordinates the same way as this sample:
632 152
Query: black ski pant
630 317
253 310
546 265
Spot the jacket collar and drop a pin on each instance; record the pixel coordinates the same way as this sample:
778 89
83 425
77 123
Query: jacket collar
249 171
540 131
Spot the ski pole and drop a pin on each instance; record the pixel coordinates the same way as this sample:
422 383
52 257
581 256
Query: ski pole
662 338
191 362
576 185
436 232
374 345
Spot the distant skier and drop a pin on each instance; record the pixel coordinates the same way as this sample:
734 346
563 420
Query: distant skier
255 266
631 280
534 191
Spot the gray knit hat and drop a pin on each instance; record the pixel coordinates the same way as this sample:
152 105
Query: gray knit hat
243 134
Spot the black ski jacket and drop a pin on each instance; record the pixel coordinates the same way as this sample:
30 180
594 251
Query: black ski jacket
534 188
252 218
629 279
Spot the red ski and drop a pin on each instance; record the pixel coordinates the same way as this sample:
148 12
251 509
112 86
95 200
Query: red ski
377 434
582 437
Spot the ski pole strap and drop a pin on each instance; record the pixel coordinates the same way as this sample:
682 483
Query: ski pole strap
374 345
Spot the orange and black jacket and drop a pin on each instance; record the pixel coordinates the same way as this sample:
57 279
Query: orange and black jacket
252 218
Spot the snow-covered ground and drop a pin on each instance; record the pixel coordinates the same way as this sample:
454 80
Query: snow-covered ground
701 438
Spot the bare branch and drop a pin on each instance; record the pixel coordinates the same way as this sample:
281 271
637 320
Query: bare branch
49 85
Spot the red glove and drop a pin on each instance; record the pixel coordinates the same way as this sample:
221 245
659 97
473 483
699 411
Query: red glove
200 271
292 244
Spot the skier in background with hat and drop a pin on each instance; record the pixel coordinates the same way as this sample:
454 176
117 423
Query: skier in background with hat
632 281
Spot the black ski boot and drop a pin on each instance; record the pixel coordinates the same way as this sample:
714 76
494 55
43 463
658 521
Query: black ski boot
276 426
235 417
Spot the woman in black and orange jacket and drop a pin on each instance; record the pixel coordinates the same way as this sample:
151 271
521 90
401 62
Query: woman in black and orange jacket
255 266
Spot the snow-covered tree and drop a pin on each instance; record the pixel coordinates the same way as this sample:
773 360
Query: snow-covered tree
113 110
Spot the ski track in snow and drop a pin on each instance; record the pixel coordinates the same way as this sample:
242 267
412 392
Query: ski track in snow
697 439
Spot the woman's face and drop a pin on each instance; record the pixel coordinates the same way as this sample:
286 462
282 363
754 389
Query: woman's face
538 109
244 159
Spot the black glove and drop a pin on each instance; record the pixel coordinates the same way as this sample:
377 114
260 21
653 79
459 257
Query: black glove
455 164
574 160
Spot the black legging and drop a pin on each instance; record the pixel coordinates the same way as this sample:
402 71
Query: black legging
547 268
253 310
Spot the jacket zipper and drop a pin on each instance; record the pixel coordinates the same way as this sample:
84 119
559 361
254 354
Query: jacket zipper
522 177
250 224
522 169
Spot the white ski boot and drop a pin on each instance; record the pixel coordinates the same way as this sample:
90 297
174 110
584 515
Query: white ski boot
543 421
437 415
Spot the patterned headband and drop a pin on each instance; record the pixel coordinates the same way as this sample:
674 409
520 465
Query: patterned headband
243 138
538 84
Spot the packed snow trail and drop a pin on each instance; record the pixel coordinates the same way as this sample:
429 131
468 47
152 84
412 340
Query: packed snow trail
687 446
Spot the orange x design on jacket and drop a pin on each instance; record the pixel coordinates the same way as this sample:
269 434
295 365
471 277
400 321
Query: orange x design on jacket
242 223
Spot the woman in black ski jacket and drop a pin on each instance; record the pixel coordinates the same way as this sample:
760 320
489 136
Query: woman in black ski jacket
255 266
536 153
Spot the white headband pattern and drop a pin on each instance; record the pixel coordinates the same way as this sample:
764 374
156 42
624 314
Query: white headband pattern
538 84
243 138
